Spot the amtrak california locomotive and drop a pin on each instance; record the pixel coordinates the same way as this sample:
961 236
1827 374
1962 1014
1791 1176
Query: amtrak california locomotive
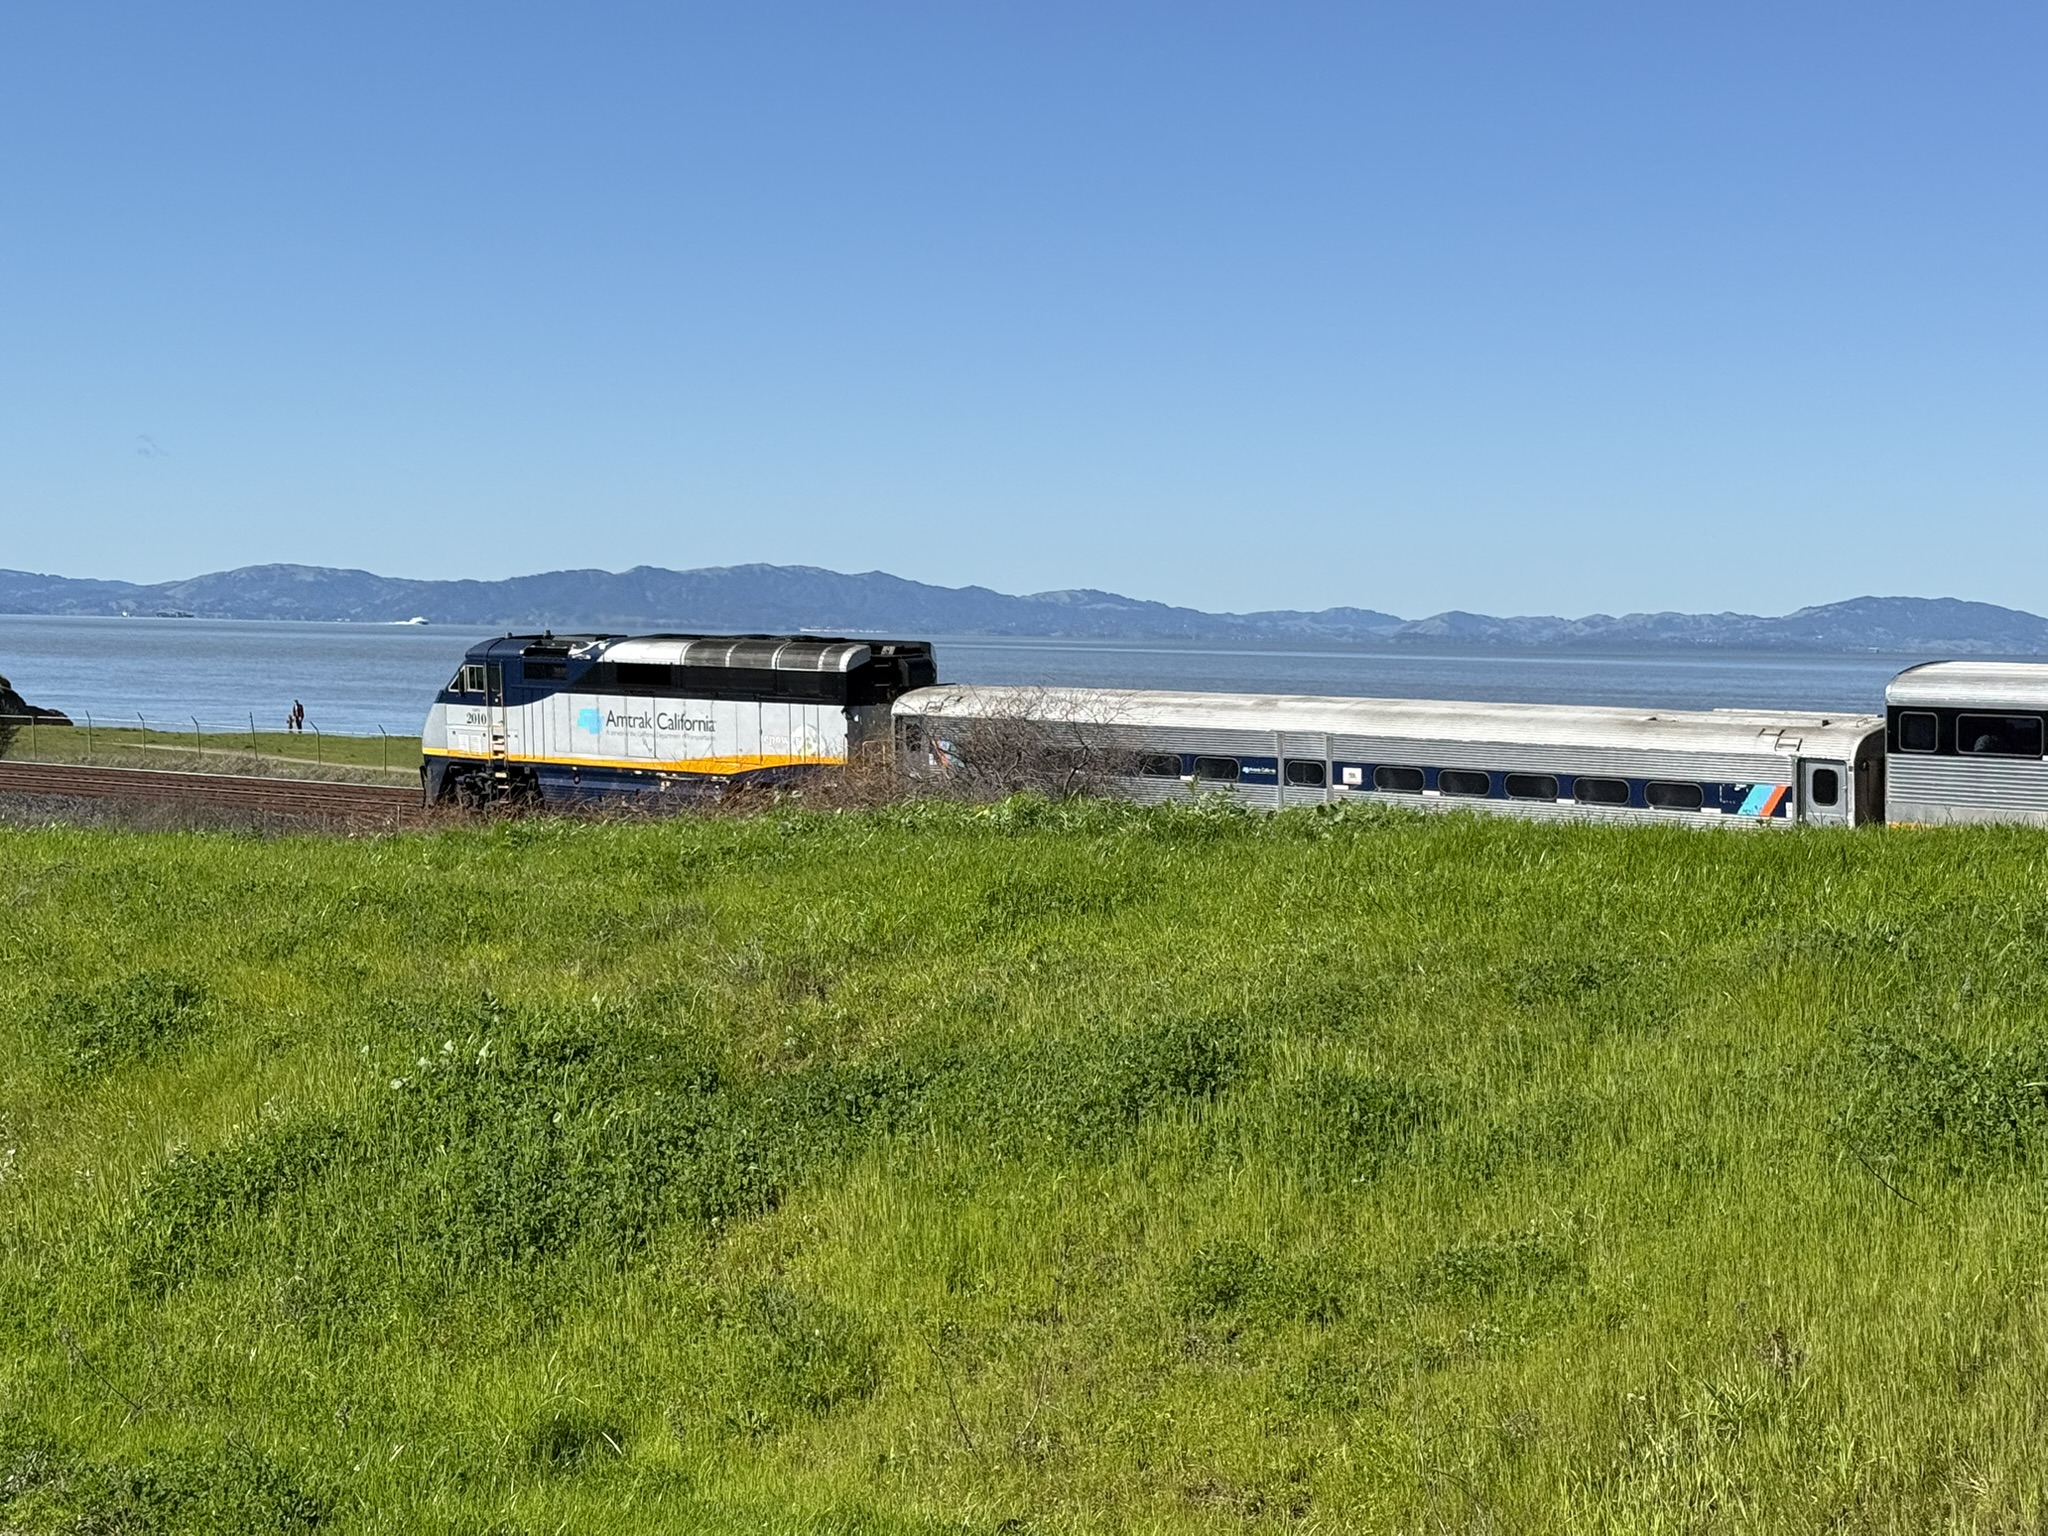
592 717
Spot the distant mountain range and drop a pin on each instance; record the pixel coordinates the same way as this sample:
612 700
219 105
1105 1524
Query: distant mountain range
799 597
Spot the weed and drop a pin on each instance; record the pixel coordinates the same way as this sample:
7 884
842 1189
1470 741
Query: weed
190 1490
1230 1278
1088 1094
567 1439
192 1197
806 1353
1515 1264
1927 1102
1352 1124
135 1019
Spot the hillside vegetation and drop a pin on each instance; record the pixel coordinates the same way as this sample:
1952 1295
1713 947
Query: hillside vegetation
1024 1168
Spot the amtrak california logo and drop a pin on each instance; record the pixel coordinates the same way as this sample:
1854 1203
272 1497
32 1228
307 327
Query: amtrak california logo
591 720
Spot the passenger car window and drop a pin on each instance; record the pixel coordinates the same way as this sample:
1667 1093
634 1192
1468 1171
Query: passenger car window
1999 735
1674 797
1463 781
1918 732
1600 791
1159 765
1216 770
1306 772
1531 786
1397 781
1824 787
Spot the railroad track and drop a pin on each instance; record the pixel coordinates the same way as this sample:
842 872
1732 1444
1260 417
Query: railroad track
297 799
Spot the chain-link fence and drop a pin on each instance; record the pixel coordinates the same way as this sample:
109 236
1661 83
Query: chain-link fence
190 744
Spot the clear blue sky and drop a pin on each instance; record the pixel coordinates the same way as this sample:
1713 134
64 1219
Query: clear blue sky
1509 307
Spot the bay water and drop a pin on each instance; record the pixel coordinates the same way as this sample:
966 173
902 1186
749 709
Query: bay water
359 678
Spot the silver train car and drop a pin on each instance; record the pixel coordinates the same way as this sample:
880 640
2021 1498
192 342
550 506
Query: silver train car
1966 742
1720 767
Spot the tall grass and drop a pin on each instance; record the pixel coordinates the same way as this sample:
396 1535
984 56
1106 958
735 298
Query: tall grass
1024 1168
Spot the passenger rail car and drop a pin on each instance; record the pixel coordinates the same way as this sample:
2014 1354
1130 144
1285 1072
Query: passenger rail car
591 717
1721 767
1966 741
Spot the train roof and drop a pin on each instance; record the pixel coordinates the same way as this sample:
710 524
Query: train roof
1938 684
1730 731
771 653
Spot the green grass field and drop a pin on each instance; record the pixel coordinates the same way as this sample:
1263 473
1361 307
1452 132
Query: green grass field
274 754
1024 1168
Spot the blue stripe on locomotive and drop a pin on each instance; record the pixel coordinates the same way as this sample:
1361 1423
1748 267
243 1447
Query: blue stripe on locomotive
576 784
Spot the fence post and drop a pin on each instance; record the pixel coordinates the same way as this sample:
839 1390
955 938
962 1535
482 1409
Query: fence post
145 730
383 749
319 746
253 751
88 735
197 745
35 753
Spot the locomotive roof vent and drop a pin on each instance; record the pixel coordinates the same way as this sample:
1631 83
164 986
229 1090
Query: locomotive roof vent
758 653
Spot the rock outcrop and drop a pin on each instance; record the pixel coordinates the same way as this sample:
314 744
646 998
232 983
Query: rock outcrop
16 712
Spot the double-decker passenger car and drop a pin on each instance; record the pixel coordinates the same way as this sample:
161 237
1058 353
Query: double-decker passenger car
583 717
1726 766
1966 742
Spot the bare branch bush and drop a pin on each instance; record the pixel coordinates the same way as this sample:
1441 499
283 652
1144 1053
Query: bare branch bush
870 777
1048 741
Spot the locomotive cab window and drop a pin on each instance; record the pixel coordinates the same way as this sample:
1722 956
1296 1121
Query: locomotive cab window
1999 735
1600 791
1159 765
1305 772
1464 781
1397 781
1919 732
1216 770
1674 797
471 678
643 674
1531 786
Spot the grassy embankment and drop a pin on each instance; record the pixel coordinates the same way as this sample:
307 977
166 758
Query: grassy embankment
272 754
1024 1169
